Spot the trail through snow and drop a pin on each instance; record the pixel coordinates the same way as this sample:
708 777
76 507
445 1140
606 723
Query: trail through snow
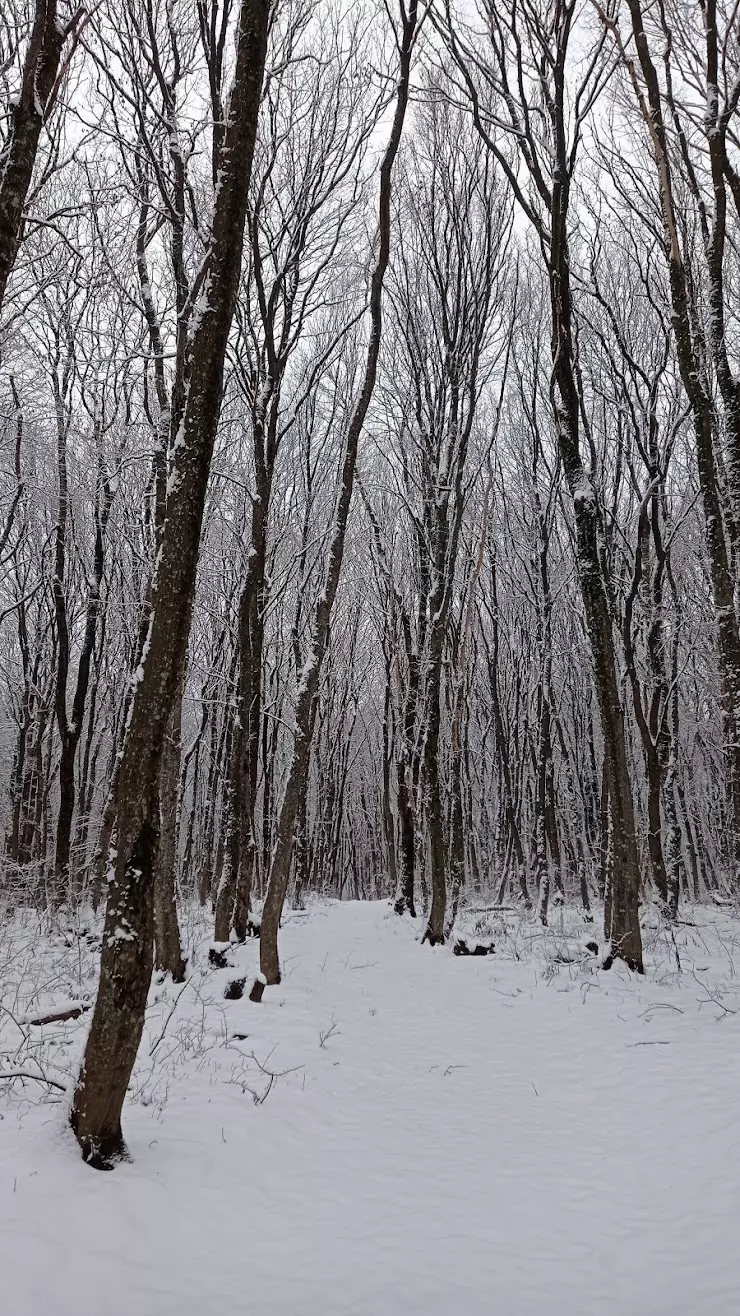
509 1135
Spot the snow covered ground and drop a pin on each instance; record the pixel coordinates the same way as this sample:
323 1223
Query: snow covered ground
392 1131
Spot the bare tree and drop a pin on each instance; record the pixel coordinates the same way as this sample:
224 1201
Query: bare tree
524 88
405 33
126 960
41 73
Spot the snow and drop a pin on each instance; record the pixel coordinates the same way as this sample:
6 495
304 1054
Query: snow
138 675
122 931
583 493
397 1131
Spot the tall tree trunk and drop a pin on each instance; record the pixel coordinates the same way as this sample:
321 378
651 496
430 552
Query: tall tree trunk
545 47
389 826
126 959
301 854
434 932
235 888
308 688
407 779
70 728
168 954
35 100
691 355
502 747
622 924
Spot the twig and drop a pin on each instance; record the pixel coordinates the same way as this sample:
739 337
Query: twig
38 1078
167 1020
324 1037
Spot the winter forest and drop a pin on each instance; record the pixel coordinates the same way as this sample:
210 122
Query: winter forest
369 655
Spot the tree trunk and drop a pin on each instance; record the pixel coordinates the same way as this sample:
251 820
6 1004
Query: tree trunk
126 959
434 932
168 956
38 83
308 688
622 924
502 748
691 363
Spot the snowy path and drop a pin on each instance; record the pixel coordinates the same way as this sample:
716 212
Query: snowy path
475 1136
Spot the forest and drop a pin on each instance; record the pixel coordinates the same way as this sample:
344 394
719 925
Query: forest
369 536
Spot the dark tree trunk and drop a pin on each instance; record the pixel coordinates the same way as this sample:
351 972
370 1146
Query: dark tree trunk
308 688
622 925
389 827
70 728
168 956
502 748
126 960
235 889
301 855
457 831
434 933
691 356
406 775
35 101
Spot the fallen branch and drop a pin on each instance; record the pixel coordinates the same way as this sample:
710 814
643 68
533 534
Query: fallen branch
71 1011
38 1078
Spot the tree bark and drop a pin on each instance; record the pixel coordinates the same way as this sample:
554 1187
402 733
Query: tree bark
693 376
308 688
126 959
168 956
38 85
